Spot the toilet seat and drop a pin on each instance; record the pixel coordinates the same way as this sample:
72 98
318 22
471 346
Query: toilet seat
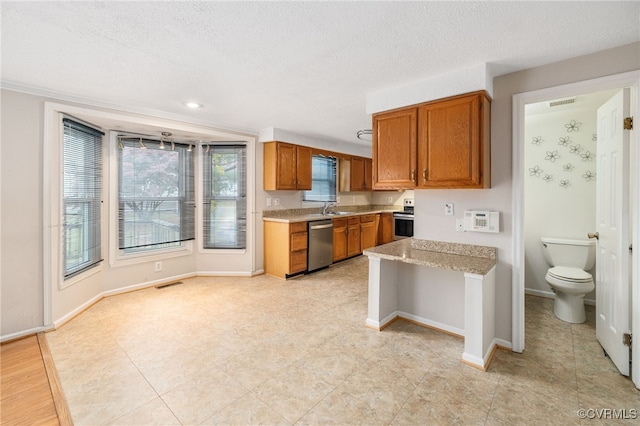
569 274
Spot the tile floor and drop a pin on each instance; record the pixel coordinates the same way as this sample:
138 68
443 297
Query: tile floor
265 351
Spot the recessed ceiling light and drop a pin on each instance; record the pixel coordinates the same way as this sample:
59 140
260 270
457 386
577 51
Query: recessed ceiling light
192 105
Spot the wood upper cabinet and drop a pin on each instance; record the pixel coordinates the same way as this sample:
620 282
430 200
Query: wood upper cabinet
439 144
394 149
286 167
454 143
355 174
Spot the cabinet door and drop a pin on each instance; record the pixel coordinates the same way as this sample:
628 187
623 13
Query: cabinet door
339 239
303 168
357 174
353 236
385 230
368 174
449 149
368 232
394 149
286 164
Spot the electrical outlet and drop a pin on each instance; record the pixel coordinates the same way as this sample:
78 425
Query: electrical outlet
268 201
448 209
276 201
354 200
337 199
460 225
158 267
390 199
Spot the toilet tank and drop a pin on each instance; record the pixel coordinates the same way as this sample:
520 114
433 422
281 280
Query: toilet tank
565 252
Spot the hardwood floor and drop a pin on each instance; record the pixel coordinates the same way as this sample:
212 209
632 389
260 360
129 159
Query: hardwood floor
26 385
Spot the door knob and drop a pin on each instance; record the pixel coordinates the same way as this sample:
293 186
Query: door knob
594 235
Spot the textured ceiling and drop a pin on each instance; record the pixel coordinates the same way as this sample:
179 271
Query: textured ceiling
305 67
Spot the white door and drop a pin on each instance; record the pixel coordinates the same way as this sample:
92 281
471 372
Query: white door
612 203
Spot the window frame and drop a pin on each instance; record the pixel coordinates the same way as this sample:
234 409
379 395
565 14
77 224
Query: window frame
335 181
94 238
206 200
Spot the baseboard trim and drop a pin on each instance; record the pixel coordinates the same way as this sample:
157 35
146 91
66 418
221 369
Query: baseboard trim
454 331
552 295
8 338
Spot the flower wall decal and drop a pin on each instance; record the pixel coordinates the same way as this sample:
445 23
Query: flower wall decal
564 184
564 141
547 178
589 176
587 156
575 149
552 156
568 167
537 140
535 171
573 126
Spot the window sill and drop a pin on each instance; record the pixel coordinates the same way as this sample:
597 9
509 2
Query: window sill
150 256
80 277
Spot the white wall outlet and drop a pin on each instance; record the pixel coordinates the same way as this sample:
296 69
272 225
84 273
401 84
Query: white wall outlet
268 201
337 199
448 209
158 267
276 201
354 200
460 225
391 199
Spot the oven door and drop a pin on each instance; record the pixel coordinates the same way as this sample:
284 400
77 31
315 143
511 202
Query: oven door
402 225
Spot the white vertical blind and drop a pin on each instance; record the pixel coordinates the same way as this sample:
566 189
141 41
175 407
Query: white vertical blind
156 194
82 191
225 196
323 179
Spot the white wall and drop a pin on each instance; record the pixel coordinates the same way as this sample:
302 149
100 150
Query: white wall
559 195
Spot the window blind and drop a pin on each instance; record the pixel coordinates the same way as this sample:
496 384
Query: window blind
323 179
82 192
156 194
225 196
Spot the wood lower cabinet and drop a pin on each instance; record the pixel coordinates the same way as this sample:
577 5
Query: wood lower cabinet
339 239
346 238
368 231
439 144
285 248
385 229
353 236
286 167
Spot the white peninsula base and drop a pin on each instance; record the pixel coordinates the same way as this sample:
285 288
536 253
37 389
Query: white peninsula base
476 268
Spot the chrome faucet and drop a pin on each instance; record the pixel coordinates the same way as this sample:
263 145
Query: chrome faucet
326 207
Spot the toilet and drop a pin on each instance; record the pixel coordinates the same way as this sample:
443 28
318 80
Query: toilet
569 261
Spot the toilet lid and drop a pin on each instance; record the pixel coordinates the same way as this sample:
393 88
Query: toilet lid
570 274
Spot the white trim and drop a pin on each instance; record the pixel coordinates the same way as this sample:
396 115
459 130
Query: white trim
98 267
382 323
70 315
503 343
628 79
432 324
225 274
24 333
147 284
540 293
481 362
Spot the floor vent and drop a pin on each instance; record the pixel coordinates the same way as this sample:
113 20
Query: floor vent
562 102
161 286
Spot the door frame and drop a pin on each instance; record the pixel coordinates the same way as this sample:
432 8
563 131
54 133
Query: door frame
629 79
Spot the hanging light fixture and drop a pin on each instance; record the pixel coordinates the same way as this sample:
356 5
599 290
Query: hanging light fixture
364 134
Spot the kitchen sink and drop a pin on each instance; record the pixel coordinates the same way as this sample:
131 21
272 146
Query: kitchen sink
337 213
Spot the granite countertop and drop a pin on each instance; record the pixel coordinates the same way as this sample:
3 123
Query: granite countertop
311 214
437 254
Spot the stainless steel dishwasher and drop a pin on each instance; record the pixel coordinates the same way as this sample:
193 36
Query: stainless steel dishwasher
320 244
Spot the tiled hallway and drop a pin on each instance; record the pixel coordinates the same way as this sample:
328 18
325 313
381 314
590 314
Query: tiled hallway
265 351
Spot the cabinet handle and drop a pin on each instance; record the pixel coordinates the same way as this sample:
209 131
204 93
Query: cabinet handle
424 175
413 175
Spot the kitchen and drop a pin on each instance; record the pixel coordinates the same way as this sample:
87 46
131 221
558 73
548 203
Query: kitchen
29 111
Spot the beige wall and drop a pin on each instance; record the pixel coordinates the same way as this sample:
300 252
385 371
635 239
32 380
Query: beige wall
22 213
